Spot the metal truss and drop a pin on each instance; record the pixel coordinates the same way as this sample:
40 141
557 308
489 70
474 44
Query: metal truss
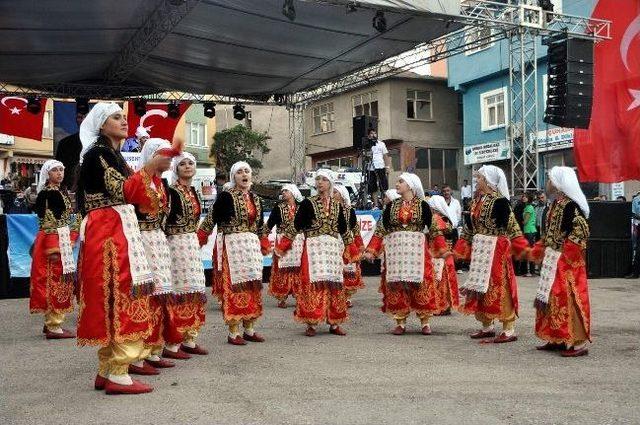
158 25
297 151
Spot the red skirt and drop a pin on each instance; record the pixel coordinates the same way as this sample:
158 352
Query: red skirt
107 311
447 286
283 282
353 281
501 300
237 304
316 304
50 290
567 317
189 313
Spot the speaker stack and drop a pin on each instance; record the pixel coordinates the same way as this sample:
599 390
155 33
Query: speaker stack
570 82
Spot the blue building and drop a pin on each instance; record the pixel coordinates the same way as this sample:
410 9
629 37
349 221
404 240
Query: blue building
481 77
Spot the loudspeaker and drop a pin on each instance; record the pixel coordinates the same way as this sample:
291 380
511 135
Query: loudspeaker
609 247
610 220
361 126
570 82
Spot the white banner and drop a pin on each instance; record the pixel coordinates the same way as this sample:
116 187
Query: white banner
486 152
553 139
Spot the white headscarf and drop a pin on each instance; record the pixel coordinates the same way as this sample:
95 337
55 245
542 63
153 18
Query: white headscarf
439 204
496 179
176 161
414 183
392 194
44 172
234 169
566 181
342 190
323 172
150 148
90 127
142 132
227 186
294 191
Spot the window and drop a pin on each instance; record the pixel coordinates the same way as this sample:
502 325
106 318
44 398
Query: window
365 104
460 108
324 119
47 125
478 39
493 109
441 166
419 106
196 134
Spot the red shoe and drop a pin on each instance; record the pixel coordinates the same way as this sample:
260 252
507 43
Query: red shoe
145 369
446 312
100 383
256 337
160 364
575 353
236 341
426 330
503 338
310 331
136 388
176 355
550 346
399 330
337 331
282 304
64 335
482 334
197 350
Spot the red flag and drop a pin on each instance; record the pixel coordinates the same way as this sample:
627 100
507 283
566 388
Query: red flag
155 120
15 120
609 151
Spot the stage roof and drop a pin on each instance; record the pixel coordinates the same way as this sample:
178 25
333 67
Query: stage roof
227 47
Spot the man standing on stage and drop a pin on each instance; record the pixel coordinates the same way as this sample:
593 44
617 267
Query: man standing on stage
378 168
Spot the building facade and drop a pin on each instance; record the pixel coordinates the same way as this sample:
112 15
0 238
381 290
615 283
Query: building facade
481 77
419 120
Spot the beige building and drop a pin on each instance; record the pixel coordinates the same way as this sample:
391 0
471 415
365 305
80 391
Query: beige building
419 119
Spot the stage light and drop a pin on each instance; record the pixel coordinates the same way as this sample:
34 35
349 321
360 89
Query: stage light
33 105
209 109
546 5
380 22
173 110
140 107
82 105
289 10
280 99
238 112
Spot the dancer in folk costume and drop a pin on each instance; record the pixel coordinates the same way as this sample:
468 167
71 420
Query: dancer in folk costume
321 297
491 291
53 267
187 272
444 266
285 271
151 198
563 312
352 271
114 276
237 256
408 275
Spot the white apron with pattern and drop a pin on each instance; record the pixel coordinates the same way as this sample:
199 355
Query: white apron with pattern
292 258
187 272
404 255
324 256
438 267
244 257
482 251
159 258
547 275
66 250
138 265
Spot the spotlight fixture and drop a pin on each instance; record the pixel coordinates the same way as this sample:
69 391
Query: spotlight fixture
546 5
380 22
173 110
33 105
352 7
289 10
279 99
140 106
238 112
82 105
209 109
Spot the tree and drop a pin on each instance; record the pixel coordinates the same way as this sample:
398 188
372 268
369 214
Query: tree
238 144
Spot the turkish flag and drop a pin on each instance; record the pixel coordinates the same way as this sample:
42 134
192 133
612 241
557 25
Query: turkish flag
609 151
155 120
15 120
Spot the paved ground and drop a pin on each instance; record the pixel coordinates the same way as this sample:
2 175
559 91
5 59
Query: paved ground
368 377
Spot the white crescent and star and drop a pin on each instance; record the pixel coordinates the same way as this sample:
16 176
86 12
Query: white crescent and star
150 113
15 110
629 35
